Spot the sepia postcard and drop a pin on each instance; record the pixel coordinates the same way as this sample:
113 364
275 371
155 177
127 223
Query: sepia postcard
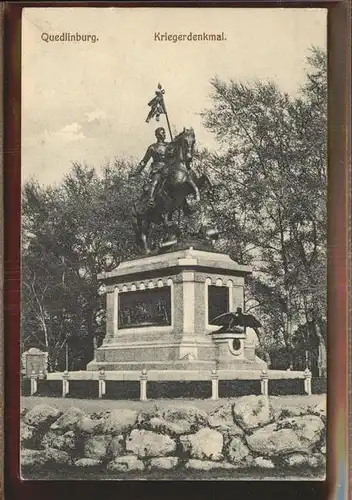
174 243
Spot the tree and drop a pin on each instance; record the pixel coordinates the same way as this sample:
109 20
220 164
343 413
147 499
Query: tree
271 189
70 234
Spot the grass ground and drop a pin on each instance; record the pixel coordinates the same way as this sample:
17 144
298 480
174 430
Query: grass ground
96 405
73 474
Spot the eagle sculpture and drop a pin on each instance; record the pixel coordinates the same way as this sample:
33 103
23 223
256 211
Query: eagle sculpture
230 320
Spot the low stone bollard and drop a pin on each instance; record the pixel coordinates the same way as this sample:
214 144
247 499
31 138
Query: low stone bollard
102 383
308 382
214 385
34 383
65 384
264 383
143 385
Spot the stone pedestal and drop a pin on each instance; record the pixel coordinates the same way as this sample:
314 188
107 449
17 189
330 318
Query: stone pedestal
159 311
34 362
235 352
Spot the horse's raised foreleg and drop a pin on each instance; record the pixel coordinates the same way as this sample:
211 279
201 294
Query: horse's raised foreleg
194 187
145 224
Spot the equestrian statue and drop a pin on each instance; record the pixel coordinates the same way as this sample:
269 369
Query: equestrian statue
171 179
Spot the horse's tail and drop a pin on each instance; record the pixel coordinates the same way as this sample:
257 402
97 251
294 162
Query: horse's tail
136 223
136 217
134 210
134 214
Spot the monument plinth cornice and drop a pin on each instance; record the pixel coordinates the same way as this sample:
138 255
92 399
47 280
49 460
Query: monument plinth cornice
182 259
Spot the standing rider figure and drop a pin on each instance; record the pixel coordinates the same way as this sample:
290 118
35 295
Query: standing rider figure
157 152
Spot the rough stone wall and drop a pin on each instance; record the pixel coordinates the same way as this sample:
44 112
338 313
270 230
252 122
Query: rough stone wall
244 433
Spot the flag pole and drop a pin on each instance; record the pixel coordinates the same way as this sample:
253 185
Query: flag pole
167 117
168 124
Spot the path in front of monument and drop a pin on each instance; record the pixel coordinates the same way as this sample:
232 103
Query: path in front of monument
95 405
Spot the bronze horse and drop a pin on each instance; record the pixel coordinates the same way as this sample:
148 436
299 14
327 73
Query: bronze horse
179 182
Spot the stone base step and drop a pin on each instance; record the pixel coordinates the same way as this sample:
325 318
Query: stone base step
193 365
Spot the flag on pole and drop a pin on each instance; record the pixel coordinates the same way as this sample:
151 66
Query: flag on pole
157 105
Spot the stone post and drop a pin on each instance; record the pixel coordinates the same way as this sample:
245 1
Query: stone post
34 383
307 382
214 385
111 315
143 385
264 383
65 384
102 383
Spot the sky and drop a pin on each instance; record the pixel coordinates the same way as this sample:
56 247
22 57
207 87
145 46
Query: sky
87 102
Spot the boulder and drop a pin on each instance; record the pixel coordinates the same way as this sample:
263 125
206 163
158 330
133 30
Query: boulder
87 425
145 415
206 465
222 420
100 415
64 442
118 422
149 444
298 434
41 416
27 435
173 421
320 410
163 463
295 460
196 418
35 458
316 460
159 424
263 463
303 460
127 463
32 458
204 444
238 452
87 462
68 420
57 457
290 411
96 447
116 447
251 412
234 430
323 449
